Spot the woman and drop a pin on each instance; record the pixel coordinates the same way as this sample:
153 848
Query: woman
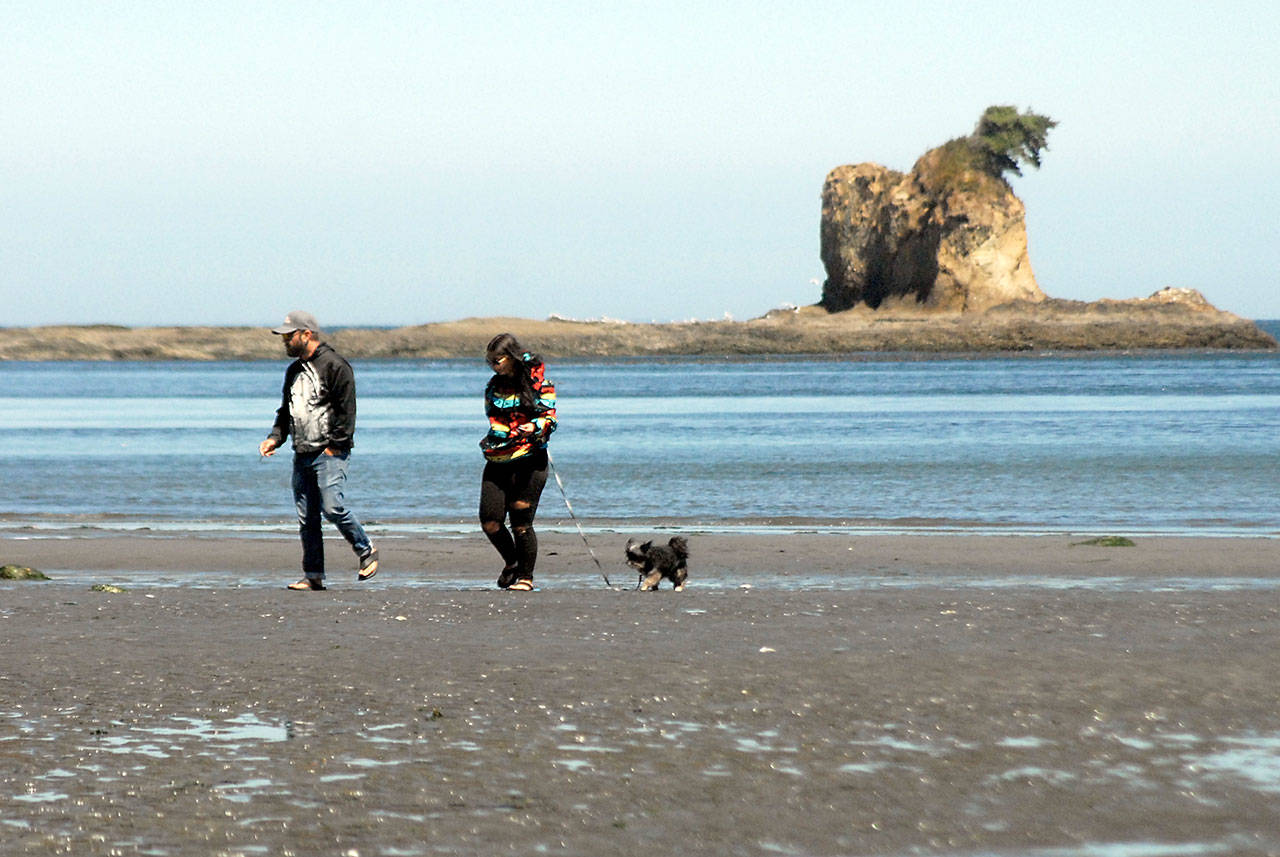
521 405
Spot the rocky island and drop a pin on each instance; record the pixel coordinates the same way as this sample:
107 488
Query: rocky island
934 260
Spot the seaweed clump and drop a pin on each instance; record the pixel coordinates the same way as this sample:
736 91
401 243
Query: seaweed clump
18 572
1109 542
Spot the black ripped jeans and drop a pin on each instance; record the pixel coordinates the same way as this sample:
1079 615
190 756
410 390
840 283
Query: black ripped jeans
511 490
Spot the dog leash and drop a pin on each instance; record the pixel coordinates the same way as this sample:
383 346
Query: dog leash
569 506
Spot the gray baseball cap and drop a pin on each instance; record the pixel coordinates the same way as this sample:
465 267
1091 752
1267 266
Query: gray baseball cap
298 320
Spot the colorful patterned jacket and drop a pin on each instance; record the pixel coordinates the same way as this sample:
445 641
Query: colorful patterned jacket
514 430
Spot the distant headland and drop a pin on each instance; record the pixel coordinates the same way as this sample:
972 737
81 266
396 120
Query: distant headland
1170 319
930 261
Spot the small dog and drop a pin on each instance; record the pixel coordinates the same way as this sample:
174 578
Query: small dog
655 562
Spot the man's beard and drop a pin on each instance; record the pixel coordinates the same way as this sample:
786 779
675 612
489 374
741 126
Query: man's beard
294 348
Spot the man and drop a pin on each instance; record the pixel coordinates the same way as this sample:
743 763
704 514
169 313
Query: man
318 407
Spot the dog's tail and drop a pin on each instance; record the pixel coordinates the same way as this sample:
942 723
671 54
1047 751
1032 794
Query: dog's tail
680 546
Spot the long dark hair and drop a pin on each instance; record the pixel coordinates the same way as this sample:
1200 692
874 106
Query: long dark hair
506 345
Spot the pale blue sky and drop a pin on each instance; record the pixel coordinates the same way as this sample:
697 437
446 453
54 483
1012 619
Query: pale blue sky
404 162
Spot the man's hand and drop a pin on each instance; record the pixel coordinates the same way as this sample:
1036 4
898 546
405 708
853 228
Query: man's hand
268 447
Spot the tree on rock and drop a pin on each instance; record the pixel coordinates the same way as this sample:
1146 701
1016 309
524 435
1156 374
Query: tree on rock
1004 138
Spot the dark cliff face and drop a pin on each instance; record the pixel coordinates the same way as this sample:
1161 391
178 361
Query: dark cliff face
939 237
870 247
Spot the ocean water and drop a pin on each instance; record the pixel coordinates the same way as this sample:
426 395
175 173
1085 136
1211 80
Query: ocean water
1181 443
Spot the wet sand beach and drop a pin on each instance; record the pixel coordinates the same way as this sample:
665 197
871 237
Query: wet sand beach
809 694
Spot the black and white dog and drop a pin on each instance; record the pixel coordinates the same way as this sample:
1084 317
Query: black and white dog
655 562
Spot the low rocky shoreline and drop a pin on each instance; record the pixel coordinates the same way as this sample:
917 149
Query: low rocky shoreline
1052 325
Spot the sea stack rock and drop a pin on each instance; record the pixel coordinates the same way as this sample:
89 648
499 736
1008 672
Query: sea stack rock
944 237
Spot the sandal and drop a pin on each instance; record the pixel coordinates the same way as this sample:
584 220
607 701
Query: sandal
308 583
507 577
525 585
368 565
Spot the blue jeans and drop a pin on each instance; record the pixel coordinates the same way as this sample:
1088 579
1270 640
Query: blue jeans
317 490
